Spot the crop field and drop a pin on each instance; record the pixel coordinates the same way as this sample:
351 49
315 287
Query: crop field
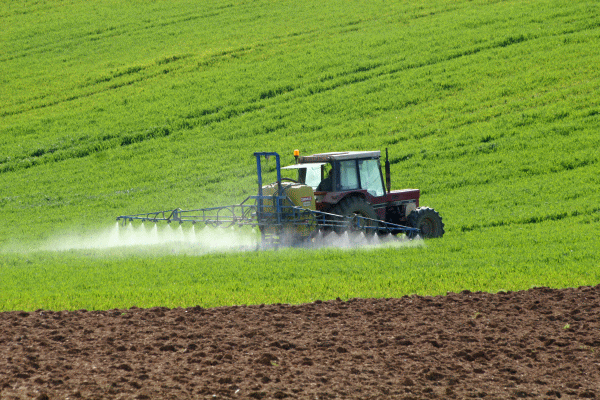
491 108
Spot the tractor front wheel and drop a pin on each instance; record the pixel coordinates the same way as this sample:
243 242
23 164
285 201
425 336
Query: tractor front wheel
428 221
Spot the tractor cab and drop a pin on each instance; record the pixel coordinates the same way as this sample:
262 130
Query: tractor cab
343 183
342 172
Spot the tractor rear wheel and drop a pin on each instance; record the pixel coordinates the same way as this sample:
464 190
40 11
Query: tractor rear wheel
428 221
351 206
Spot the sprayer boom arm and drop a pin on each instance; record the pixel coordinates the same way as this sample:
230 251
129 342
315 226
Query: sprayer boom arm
247 215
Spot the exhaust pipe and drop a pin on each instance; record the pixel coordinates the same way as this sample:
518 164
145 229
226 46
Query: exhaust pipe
388 173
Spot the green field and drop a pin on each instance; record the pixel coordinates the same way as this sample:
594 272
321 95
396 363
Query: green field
491 108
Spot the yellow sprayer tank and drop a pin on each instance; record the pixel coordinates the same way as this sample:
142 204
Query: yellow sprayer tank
296 194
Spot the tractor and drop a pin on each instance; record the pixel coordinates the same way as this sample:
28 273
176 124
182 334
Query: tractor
351 183
332 192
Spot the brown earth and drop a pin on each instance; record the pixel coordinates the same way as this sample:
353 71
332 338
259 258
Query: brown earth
540 343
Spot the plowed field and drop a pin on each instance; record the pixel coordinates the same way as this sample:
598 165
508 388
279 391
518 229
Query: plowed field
540 343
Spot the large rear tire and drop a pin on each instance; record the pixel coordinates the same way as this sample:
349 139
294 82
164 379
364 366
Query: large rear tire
351 206
428 221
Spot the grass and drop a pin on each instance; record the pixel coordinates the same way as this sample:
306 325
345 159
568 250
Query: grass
490 108
476 261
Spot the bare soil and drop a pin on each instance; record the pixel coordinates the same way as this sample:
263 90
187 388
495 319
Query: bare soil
539 343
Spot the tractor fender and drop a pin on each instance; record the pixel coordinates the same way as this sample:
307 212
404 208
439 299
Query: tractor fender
326 201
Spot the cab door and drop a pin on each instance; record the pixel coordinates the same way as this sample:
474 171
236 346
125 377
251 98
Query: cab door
371 179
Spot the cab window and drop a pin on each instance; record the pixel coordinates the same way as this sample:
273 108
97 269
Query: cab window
313 176
370 177
326 185
348 175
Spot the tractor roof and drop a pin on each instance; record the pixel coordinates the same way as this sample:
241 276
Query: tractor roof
345 155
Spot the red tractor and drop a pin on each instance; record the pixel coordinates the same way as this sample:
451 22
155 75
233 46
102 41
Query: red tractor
351 183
